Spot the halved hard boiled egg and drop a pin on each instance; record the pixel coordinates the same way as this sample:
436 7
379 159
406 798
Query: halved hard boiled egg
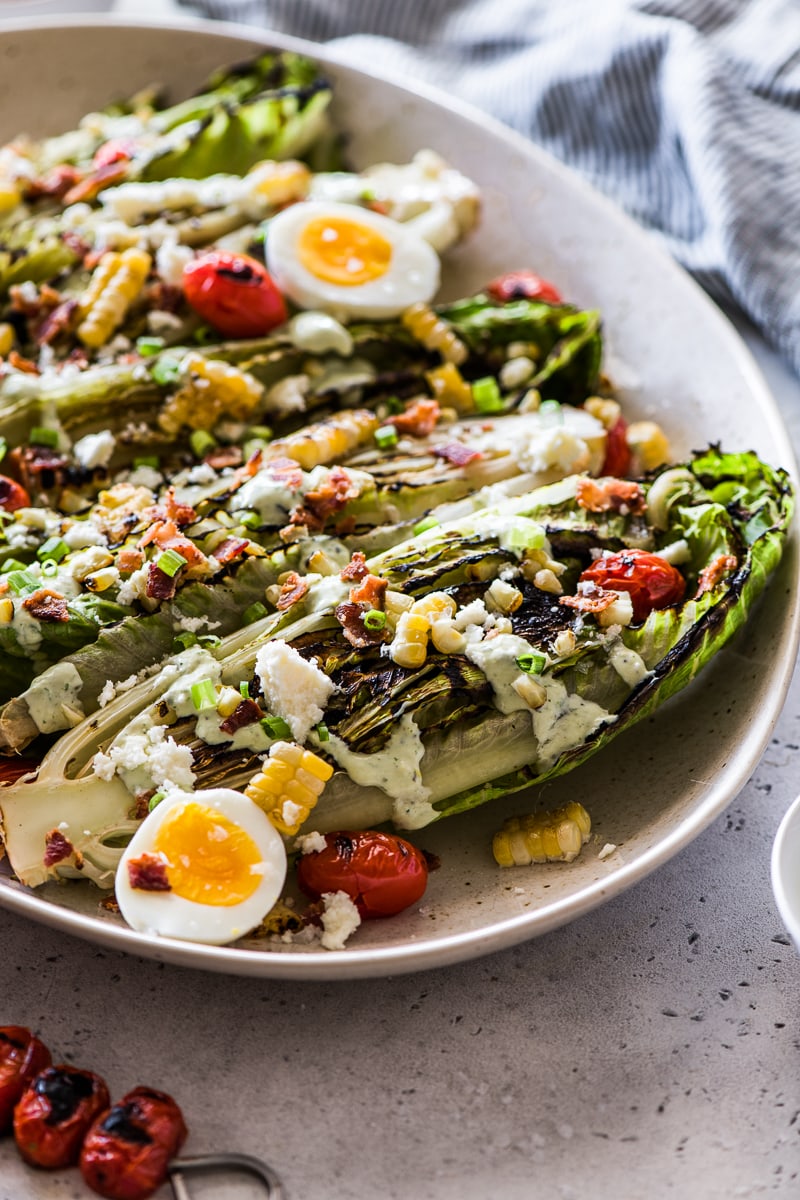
349 261
205 866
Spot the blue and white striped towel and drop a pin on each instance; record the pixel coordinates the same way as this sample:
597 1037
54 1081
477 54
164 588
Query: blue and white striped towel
686 112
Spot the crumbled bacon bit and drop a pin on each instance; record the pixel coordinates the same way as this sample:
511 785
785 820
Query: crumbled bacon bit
230 549
166 536
59 321
129 559
161 586
711 575
285 471
39 467
76 243
171 509
92 185
356 569
610 495
44 300
293 589
223 456
55 183
109 904
457 453
370 590
46 605
163 297
246 713
419 419
351 618
57 848
26 365
331 496
590 598
148 873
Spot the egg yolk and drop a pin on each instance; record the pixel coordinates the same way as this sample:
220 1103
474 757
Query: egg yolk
343 252
210 860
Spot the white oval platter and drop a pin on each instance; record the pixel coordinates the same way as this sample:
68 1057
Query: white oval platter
674 357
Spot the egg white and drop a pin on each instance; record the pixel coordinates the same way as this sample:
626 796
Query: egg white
412 275
168 915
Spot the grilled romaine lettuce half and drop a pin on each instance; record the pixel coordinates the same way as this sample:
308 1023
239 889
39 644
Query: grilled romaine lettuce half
414 745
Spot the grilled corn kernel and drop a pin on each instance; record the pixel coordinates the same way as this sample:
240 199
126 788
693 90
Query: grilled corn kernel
547 581
481 571
435 604
618 613
9 197
449 387
648 444
321 564
117 281
542 837
502 597
228 701
529 690
102 580
538 560
6 336
446 638
434 333
515 372
607 412
87 561
395 603
280 920
210 390
409 647
289 785
6 611
327 441
531 401
564 643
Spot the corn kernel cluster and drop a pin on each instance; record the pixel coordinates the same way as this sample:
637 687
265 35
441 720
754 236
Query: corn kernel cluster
289 785
450 387
211 389
328 440
117 281
434 333
542 837
414 621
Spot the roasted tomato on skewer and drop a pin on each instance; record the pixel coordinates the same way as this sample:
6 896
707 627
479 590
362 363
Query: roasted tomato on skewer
54 1113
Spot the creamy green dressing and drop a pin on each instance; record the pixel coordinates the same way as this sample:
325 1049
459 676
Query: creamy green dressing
47 697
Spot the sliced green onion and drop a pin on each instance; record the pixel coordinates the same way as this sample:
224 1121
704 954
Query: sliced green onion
204 695
254 613
395 406
250 520
524 534
39 436
148 346
166 370
323 733
54 548
170 562
552 411
486 395
148 460
49 567
427 523
3 448
374 619
184 640
22 581
201 441
532 664
260 431
386 436
244 688
276 727
209 640
13 564
203 335
155 800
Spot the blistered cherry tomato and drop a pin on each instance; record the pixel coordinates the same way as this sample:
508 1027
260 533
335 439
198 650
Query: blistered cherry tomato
234 293
54 1113
22 1056
618 453
381 874
127 1151
12 495
523 285
651 581
113 151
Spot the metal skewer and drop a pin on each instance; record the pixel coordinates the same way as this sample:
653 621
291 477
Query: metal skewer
202 1163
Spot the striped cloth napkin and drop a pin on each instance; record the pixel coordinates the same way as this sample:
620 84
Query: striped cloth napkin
686 112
